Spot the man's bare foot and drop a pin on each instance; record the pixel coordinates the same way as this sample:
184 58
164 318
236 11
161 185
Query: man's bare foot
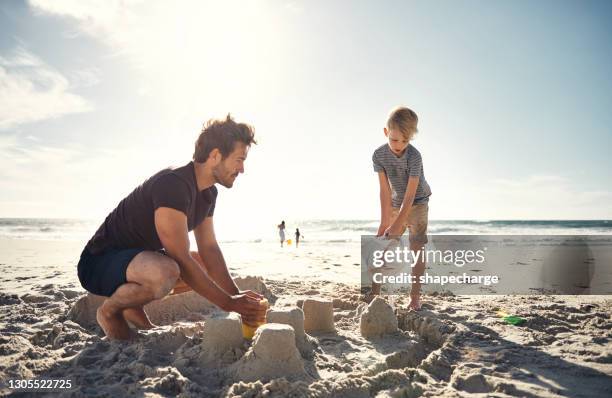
113 324
138 317
415 303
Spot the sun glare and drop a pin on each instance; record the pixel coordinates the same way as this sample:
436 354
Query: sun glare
223 49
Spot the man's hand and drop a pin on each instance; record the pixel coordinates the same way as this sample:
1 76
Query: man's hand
252 294
249 309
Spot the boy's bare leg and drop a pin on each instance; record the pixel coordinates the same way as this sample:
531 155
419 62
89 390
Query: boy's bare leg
375 289
150 276
417 272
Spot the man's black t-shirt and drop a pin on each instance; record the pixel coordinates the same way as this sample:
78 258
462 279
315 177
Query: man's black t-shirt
132 223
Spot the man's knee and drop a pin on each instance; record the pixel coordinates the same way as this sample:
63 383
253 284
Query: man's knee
165 277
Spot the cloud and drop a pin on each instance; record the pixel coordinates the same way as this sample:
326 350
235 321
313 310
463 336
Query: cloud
114 21
212 47
42 180
31 90
86 77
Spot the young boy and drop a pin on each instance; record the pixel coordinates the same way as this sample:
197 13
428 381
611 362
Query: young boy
404 193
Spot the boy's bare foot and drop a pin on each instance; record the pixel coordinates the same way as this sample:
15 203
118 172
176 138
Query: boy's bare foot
138 317
368 297
415 303
113 324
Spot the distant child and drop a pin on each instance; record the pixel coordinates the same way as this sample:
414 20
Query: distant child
404 193
281 232
297 237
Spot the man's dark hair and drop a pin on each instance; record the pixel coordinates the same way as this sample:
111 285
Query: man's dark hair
223 135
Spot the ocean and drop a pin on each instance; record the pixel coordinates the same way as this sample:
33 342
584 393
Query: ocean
326 231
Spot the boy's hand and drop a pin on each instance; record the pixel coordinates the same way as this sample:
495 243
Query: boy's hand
394 231
381 229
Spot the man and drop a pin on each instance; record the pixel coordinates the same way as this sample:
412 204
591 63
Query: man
141 251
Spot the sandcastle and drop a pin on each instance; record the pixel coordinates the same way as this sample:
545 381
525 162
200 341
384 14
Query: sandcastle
378 319
166 311
256 284
318 316
273 354
189 305
294 317
223 333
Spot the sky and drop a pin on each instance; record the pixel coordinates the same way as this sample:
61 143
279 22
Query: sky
514 102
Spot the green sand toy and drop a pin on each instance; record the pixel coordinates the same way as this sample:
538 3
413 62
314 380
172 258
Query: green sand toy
511 319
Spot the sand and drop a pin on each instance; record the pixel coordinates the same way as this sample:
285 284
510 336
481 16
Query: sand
455 346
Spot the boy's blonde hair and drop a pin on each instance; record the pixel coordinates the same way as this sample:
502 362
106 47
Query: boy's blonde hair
404 120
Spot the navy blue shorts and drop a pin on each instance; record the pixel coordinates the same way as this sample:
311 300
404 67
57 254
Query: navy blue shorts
102 274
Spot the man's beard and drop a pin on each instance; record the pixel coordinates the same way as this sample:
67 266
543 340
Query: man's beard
222 176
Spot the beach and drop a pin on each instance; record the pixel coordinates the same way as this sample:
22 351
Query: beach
455 346
393 200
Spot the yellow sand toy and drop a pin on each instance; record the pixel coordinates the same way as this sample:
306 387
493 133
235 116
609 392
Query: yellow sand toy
248 331
289 242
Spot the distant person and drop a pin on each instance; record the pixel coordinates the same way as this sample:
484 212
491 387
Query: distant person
281 232
297 237
141 251
404 193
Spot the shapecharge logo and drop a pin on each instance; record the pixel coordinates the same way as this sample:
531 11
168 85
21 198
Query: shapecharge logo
490 264
404 255
458 258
